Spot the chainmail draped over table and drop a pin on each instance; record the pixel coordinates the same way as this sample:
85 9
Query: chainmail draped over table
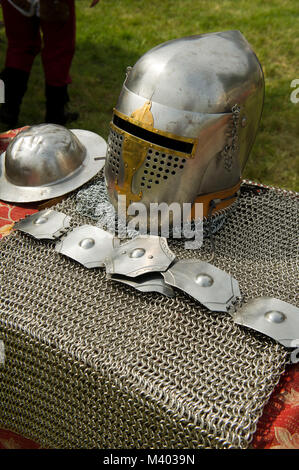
91 363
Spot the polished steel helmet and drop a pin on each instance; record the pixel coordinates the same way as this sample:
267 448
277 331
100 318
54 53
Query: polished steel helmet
47 161
185 122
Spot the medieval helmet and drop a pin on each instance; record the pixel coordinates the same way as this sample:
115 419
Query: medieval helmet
185 122
48 160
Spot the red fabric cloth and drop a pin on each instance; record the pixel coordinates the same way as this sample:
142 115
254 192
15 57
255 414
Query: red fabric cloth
278 428
11 440
9 214
5 137
57 46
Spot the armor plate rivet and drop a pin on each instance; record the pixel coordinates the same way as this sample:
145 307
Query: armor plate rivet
275 317
87 243
40 220
137 253
204 280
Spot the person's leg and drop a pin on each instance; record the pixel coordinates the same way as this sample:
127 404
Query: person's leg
57 55
23 38
23 44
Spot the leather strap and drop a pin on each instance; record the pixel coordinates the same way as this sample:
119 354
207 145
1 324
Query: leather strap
220 200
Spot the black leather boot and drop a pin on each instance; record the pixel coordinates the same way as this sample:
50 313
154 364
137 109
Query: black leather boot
57 100
15 83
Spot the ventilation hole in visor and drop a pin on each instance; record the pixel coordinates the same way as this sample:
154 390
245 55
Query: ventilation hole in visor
152 137
156 174
114 152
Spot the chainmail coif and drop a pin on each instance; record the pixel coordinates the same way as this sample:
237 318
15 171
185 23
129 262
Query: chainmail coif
90 363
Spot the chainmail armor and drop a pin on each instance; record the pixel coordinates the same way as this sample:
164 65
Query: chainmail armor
91 363
93 202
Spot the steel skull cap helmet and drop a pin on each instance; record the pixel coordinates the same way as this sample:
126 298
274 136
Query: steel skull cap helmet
48 160
185 122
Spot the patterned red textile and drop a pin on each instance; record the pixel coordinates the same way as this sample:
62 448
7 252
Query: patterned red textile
9 214
278 428
5 137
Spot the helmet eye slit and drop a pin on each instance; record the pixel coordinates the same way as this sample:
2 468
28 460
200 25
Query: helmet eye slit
153 137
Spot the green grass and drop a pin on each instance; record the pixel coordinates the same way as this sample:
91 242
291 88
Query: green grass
114 34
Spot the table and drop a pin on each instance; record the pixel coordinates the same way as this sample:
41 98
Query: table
278 427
